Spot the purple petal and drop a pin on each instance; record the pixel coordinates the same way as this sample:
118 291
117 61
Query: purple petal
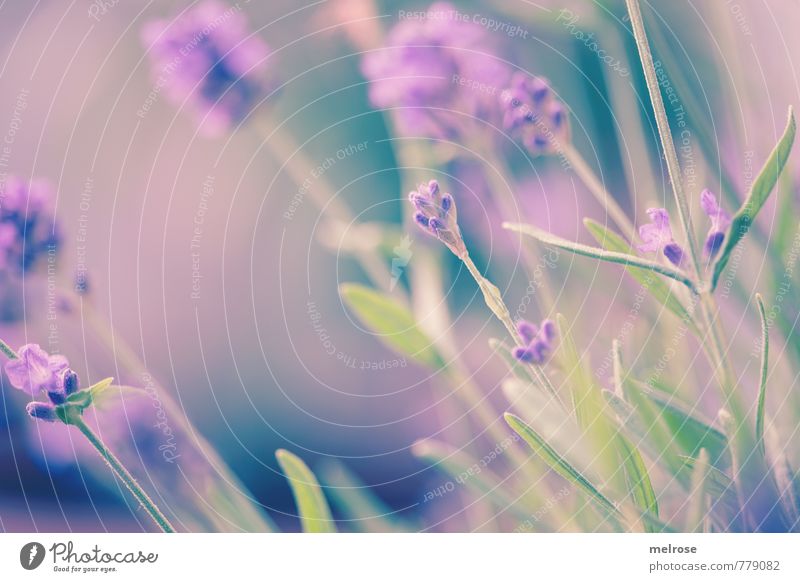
713 243
674 253
42 411
31 371
549 330
527 330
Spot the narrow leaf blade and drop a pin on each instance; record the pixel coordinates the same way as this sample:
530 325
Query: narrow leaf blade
559 464
759 193
393 322
626 259
315 515
660 291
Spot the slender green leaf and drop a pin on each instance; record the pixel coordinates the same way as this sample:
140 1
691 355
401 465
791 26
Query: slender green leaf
392 322
626 259
582 388
643 427
689 431
698 512
762 389
638 478
759 193
636 475
559 464
315 515
97 390
651 283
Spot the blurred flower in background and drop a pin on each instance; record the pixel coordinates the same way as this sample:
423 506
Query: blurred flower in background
439 69
207 58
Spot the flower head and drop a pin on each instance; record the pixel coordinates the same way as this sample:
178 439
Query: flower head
432 66
28 229
207 57
34 371
720 222
533 113
537 342
657 236
436 214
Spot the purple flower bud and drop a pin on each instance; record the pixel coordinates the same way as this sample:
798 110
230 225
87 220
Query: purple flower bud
527 330
28 229
674 253
35 370
433 188
435 224
422 220
447 204
525 354
549 330
713 243
720 222
56 396
70 382
421 71
537 342
42 411
534 114
206 58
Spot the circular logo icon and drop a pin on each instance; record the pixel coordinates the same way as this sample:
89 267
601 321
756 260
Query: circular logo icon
31 555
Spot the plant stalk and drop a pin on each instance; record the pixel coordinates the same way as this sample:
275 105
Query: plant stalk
121 472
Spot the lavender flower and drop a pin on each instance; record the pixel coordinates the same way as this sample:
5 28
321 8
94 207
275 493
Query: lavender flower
657 236
537 342
207 58
534 114
28 229
436 214
35 371
434 66
720 222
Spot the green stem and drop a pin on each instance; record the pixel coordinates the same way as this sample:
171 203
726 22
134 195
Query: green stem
121 472
664 131
707 305
598 190
10 354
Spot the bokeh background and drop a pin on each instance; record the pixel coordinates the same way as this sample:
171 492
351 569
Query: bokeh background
235 316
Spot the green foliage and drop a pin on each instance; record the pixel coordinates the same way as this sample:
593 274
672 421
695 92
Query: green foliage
315 516
759 193
392 322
